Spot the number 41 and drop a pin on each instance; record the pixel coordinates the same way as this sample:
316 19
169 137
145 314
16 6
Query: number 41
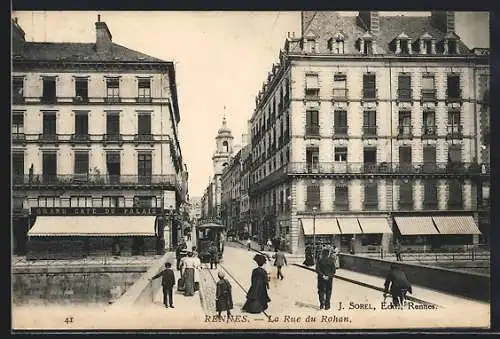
68 320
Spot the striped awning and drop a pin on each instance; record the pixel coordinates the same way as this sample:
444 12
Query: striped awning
349 225
324 226
456 225
104 226
416 225
374 225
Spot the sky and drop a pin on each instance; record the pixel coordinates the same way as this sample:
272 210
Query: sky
221 61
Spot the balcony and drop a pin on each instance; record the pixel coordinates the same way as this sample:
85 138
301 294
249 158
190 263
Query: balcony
18 137
340 132
312 94
382 168
46 137
112 100
48 100
404 95
94 180
405 132
112 137
369 131
428 95
455 204
370 205
312 131
144 100
341 204
18 99
429 132
370 94
454 132
340 94
80 137
80 100
143 137
310 204
454 95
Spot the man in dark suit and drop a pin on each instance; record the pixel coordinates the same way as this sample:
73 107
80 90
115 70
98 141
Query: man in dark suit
167 282
325 268
279 261
397 284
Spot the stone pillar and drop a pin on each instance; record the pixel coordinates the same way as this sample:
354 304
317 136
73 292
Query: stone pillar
422 47
409 47
398 46
433 46
362 45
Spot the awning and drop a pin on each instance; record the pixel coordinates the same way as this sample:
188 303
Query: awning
349 225
456 225
323 226
416 225
374 225
105 226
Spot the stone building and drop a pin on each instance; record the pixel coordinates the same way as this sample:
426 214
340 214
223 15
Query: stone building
368 129
94 133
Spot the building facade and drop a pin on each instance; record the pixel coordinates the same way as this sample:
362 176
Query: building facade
230 197
94 127
368 130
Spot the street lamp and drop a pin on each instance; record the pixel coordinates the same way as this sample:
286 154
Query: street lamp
314 233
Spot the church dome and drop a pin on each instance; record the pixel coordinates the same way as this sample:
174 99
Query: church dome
224 131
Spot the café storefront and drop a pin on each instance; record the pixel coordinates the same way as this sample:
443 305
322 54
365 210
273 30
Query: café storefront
64 233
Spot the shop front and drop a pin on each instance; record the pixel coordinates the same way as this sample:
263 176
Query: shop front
64 233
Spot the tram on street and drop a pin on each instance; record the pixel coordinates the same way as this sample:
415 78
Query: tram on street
208 231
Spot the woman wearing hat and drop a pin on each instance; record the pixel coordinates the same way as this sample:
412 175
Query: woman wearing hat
257 297
223 295
189 270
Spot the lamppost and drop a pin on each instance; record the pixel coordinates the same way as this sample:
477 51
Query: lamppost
314 233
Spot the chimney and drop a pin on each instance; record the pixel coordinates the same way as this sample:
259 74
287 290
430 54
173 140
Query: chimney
18 36
103 35
444 21
371 20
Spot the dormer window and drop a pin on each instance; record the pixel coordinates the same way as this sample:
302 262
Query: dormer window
366 44
427 44
451 43
452 46
336 44
403 44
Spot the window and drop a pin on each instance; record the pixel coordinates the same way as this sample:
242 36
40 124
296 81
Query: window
144 126
18 167
81 163
312 86
18 90
49 166
429 123
313 196
429 159
49 90
112 126
452 46
455 154
339 47
80 201
405 195
430 194
453 86
49 201
310 45
367 46
113 166
49 125
341 154
312 159
369 123
225 146
17 125
144 90
404 87
427 46
341 196
428 89
371 196
405 123
405 158
82 125
113 201
404 46
81 90
312 122
454 126
369 90
113 89
340 122
339 86
374 239
369 159
145 201
455 190
144 164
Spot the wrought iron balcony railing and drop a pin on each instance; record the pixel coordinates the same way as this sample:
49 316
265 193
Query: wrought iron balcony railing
80 137
312 130
341 204
312 93
340 94
370 94
384 168
93 138
405 131
454 95
93 179
48 100
18 99
429 131
340 131
18 137
80 100
48 137
144 100
369 131
454 131
112 100
428 94
404 94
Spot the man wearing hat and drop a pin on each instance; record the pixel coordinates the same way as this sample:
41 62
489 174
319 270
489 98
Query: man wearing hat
167 282
223 295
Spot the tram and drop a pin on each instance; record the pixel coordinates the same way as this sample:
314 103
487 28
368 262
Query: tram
207 231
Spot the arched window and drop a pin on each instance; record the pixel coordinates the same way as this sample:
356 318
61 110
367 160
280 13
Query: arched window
224 164
225 147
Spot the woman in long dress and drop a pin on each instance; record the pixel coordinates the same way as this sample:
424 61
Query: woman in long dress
188 276
257 297
223 296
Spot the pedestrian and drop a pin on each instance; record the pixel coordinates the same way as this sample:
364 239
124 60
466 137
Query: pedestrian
269 244
214 255
249 244
309 260
30 178
325 268
189 235
197 269
223 295
188 276
179 254
335 254
279 261
257 297
397 250
167 282
397 284
352 246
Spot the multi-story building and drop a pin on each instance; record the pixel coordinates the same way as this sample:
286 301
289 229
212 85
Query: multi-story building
368 128
94 132
230 197
211 200
244 222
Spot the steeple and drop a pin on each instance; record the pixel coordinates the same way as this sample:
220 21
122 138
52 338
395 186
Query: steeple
223 146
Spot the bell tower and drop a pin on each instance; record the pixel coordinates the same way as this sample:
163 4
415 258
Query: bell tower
223 147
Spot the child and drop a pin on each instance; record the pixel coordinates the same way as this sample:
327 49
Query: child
223 296
168 282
